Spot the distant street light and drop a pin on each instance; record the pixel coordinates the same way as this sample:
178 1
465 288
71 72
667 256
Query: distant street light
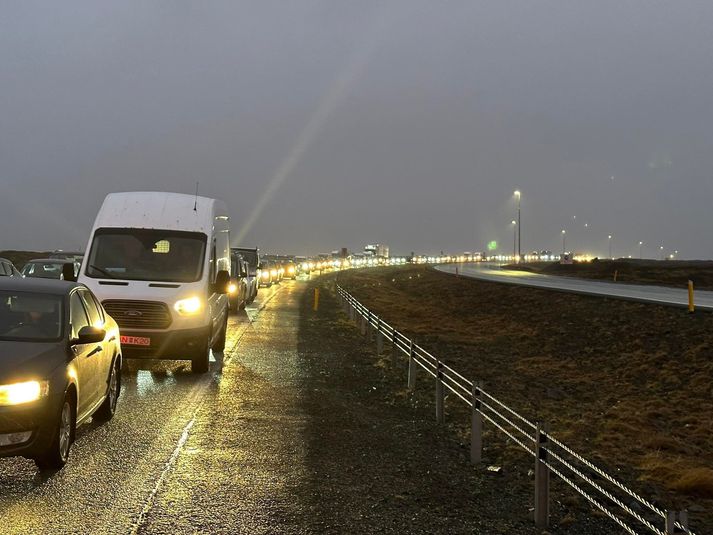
661 249
564 237
610 255
640 246
514 237
519 224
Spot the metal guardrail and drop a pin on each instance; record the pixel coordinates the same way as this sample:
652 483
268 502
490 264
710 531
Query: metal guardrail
600 489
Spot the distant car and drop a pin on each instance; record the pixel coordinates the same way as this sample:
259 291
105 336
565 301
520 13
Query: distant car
251 255
238 287
77 256
60 365
290 270
7 269
268 274
52 268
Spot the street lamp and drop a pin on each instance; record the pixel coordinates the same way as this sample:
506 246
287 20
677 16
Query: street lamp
610 255
519 225
564 236
514 238
661 249
640 245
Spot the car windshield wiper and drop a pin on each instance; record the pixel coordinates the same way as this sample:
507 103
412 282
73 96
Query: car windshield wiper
100 270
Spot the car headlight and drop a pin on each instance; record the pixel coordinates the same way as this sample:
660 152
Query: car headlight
19 393
291 269
265 274
187 307
232 288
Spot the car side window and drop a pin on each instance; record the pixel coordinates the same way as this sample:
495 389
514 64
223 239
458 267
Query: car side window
77 314
95 315
4 270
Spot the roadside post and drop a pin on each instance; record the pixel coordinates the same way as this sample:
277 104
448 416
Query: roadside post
616 274
476 427
542 478
315 307
411 367
379 337
440 417
691 304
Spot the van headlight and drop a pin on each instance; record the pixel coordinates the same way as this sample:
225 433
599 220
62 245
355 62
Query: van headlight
19 393
188 307
232 288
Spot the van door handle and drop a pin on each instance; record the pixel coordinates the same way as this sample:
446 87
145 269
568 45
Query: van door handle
94 351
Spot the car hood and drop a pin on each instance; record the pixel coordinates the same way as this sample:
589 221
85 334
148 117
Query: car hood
29 360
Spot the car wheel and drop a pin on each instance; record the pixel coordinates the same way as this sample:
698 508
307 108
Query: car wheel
107 409
201 360
220 342
55 457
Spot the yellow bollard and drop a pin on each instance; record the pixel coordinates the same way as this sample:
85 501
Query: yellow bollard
691 305
316 299
616 274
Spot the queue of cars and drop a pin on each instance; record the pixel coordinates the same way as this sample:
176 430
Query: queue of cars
158 281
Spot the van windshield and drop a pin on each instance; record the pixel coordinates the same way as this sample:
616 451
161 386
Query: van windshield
146 254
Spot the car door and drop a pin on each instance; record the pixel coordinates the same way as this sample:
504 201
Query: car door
84 357
105 356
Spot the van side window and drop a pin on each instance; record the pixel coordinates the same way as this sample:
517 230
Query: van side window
213 261
77 314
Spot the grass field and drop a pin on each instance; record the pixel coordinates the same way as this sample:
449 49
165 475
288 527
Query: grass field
628 385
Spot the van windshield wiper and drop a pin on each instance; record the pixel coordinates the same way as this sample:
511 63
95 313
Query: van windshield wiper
100 270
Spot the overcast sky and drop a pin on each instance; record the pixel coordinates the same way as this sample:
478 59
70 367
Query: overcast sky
327 123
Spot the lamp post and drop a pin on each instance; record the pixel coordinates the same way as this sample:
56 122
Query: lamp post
640 246
661 252
519 224
514 238
564 237
610 255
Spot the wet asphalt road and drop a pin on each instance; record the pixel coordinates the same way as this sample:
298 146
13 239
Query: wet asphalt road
168 460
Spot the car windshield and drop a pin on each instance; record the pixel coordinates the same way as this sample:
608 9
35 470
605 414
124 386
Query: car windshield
30 317
44 270
150 255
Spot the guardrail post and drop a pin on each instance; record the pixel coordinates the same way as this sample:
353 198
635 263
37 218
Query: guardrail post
368 326
411 367
363 324
379 337
476 428
542 478
683 519
350 308
440 418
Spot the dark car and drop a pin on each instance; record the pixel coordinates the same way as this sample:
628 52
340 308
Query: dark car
290 270
51 268
60 364
7 269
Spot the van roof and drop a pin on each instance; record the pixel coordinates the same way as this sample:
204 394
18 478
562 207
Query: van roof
161 210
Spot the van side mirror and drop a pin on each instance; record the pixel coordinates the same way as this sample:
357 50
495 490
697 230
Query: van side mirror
89 335
68 272
222 282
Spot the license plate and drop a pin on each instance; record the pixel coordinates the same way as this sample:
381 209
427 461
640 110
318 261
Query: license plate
136 340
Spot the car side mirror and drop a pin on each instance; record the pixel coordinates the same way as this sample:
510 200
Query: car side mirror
89 335
68 272
222 282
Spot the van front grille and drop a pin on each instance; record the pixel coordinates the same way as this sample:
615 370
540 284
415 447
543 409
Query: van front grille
138 314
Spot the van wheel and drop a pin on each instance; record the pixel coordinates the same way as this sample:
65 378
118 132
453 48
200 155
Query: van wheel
55 457
201 360
107 409
220 342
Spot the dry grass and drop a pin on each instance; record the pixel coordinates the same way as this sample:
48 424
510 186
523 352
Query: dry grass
627 384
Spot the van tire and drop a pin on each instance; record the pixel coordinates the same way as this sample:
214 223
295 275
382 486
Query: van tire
200 363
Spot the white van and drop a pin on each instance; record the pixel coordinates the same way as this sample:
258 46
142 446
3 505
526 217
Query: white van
160 264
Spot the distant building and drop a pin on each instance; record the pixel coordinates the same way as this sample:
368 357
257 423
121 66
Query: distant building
377 249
